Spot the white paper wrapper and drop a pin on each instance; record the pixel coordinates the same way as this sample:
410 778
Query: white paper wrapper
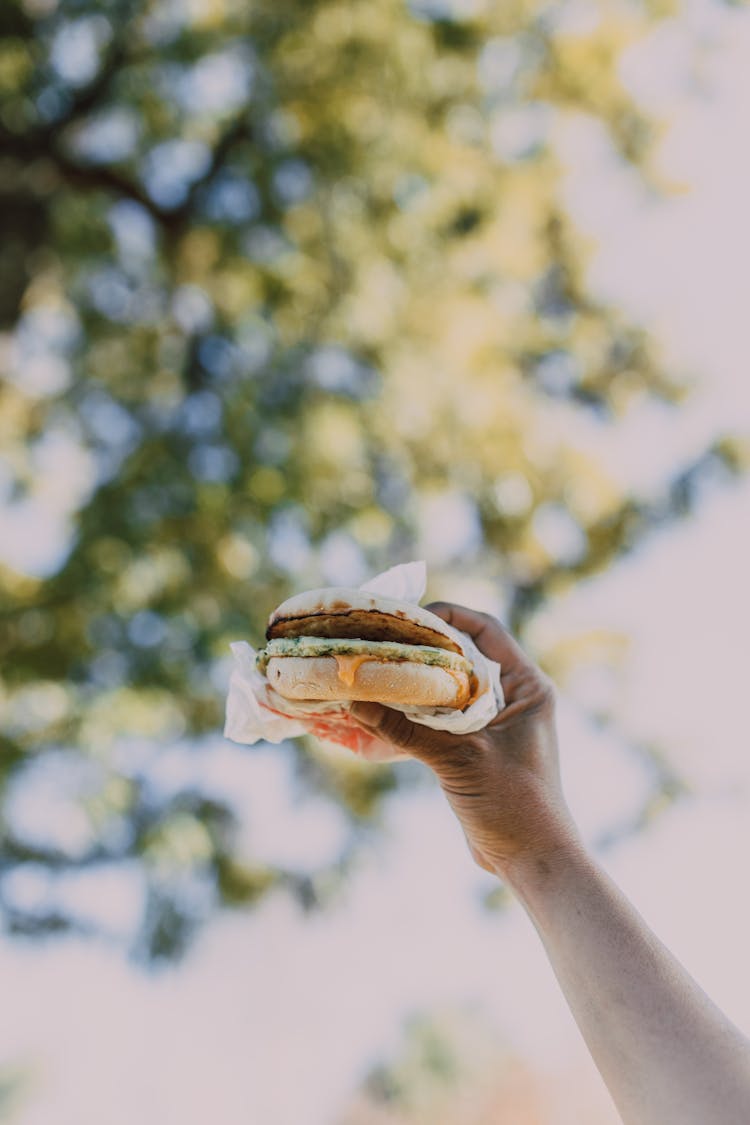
255 711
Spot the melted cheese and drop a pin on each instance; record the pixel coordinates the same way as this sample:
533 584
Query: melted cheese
347 667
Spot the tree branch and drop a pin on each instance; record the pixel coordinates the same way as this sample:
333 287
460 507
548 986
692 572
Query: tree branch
94 177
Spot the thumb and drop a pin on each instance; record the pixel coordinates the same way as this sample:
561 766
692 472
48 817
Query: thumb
394 727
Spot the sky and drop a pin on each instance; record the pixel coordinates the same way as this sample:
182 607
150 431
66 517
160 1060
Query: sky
275 1017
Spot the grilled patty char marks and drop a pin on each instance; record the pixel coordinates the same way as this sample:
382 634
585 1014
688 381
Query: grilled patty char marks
361 624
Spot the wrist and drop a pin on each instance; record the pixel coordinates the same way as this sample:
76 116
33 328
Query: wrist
538 873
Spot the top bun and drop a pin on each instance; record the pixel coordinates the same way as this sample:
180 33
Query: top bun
338 611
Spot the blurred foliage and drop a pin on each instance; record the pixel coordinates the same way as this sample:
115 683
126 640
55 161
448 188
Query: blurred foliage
449 1066
15 1082
278 281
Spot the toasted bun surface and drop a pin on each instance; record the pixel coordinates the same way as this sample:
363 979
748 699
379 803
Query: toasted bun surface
341 612
382 681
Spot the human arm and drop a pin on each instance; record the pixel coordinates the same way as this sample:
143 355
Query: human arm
666 1053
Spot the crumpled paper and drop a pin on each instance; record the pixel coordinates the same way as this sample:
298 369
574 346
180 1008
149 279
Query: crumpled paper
255 711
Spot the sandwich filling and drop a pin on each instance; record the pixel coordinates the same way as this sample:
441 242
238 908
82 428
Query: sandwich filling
349 653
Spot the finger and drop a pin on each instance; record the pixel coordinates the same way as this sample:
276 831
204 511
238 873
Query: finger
394 727
487 633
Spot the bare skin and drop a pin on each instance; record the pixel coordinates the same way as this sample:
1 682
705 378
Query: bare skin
668 1055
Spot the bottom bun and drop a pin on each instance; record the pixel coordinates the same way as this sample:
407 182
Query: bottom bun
380 681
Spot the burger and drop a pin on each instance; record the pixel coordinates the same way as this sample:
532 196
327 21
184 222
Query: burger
341 644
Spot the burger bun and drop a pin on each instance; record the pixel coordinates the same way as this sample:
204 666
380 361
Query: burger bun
404 682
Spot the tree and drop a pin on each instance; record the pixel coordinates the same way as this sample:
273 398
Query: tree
277 280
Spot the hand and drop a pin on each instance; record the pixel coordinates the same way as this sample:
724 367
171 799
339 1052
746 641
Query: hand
503 782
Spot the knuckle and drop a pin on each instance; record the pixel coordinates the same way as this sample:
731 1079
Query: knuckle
538 691
546 690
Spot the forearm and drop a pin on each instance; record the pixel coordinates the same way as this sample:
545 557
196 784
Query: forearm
666 1053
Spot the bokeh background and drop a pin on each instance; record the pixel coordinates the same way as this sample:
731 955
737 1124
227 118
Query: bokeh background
291 292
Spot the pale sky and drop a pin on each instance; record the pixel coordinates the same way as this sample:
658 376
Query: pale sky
274 1017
